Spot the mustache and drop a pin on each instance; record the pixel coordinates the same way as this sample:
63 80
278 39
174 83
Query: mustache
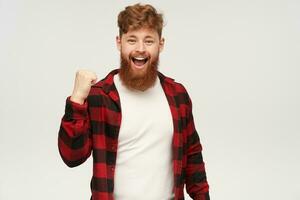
144 55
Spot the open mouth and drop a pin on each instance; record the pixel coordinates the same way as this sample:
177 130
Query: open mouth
139 61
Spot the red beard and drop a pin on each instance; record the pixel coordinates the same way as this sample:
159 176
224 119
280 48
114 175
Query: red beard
138 81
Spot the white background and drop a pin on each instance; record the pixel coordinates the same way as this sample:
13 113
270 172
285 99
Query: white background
238 59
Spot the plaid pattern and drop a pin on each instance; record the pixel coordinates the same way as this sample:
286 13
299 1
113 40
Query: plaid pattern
94 127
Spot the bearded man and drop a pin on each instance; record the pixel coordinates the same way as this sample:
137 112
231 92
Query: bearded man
136 122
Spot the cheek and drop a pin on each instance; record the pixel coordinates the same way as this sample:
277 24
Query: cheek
125 52
154 52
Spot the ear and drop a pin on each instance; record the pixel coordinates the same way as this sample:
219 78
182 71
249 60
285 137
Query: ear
161 44
118 42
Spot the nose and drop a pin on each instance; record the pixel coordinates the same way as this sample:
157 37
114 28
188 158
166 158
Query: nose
140 47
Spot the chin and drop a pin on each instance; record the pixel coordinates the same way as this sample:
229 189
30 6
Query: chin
139 72
138 78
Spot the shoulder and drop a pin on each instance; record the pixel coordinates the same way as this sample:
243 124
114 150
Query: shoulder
105 85
100 92
175 89
176 86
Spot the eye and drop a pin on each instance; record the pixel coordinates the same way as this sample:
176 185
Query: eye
149 42
131 41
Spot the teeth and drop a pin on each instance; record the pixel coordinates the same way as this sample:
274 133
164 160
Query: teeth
138 58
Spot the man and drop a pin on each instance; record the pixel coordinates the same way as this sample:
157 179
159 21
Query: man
136 122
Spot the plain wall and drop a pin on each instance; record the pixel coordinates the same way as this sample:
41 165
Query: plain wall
239 61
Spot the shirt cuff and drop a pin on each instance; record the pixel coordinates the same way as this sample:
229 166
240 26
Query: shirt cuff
75 110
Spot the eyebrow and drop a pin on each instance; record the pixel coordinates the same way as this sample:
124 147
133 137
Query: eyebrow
147 37
132 36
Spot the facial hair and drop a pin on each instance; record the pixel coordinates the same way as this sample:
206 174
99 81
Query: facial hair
138 81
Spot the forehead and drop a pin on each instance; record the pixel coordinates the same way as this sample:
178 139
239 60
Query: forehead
142 33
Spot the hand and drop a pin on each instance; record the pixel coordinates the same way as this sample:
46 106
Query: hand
83 81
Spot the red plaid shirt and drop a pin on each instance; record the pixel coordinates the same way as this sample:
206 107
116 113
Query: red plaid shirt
94 127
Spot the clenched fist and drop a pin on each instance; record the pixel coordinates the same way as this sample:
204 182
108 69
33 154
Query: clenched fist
83 81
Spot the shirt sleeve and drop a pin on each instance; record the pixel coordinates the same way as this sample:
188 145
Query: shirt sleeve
74 136
196 182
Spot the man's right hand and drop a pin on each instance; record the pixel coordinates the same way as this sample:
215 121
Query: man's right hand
83 81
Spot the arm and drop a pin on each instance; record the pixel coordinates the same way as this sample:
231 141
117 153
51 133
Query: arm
74 137
196 182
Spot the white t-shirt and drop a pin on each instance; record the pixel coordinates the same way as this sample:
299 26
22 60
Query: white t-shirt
144 157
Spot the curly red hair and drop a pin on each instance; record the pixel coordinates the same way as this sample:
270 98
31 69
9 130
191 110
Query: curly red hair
140 16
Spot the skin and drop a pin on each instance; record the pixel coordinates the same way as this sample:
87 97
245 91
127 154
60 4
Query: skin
84 80
140 43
